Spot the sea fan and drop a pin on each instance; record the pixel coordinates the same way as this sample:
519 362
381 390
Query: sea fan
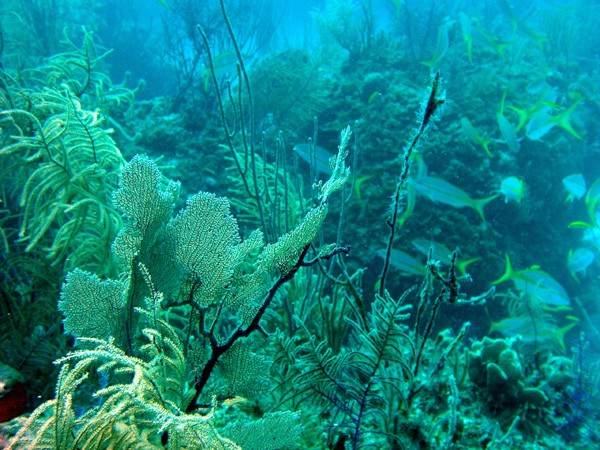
356 382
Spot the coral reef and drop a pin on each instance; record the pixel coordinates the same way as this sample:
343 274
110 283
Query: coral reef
279 294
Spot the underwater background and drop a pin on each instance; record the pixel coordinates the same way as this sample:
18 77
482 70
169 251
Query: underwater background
279 224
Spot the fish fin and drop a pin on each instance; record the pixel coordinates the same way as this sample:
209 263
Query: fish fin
540 39
560 335
563 120
555 309
591 200
574 276
358 183
479 204
569 256
508 272
398 4
474 136
486 146
469 42
465 24
441 47
500 49
579 224
523 117
410 205
493 327
496 326
207 76
373 96
501 111
462 265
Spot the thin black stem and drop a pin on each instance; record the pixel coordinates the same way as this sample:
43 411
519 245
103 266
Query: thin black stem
436 99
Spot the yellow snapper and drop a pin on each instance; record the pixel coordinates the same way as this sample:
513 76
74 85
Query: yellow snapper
440 253
530 331
322 157
406 264
440 191
592 201
482 36
508 132
513 189
579 260
441 47
575 185
519 25
469 130
537 284
548 97
542 122
465 25
592 235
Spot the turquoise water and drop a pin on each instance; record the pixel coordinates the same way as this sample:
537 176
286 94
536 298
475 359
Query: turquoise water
357 224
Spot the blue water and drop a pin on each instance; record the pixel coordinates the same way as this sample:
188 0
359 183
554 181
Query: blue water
507 174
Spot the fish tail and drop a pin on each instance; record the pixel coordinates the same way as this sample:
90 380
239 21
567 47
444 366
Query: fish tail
486 146
410 198
523 117
462 265
560 335
493 327
564 119
508 272
358 183
479 204
574 275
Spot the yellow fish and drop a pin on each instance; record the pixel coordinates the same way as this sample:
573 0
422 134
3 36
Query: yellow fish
440 191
